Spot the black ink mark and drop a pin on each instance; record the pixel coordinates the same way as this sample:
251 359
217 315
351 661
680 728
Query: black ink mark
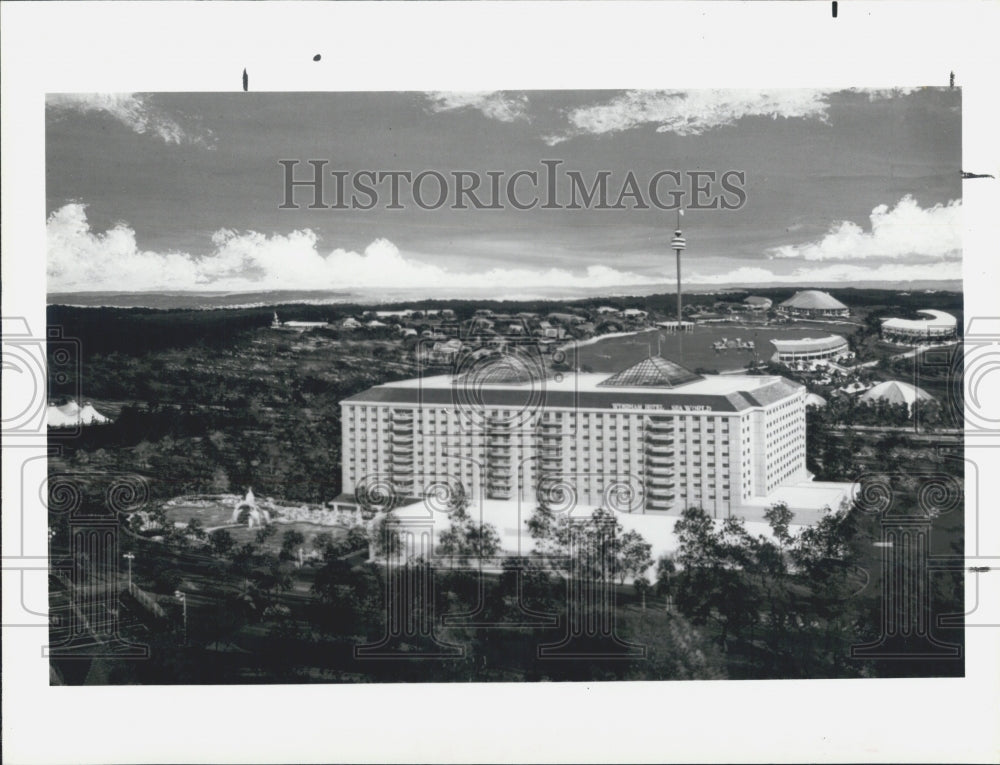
966 175
317 57
979 569
246 81
835 8
951 80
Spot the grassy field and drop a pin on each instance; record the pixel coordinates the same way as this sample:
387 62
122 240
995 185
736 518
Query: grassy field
694 349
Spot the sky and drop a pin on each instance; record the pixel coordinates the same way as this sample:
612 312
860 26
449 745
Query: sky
183 191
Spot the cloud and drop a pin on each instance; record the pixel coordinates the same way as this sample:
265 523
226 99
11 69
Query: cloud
135 111
698 111
905 231
840 273
80 259
691 112
493 104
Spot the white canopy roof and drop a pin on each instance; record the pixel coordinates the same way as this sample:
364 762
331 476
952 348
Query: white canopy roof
896 392
938 319
70 415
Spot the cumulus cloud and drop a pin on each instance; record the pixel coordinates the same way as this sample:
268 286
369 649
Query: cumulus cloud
80 259
496 105
905 231
697 111
135 111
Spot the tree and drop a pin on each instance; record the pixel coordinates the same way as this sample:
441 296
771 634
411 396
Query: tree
665 570
195 529
221 541
642 587
265 532
467 539
633 555
711 586
290 541
384 536
675 649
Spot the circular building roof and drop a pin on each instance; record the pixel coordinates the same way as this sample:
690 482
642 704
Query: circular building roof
810 344
937 320
814 399
814 299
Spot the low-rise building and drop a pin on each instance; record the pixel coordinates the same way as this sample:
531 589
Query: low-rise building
756 303
939 327
810 352
814 304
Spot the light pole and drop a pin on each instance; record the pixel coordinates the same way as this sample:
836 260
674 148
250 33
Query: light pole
129 557
183 600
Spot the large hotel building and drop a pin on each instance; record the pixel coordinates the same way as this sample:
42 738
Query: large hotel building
680 438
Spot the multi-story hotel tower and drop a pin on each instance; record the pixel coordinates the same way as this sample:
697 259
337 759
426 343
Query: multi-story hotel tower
679 438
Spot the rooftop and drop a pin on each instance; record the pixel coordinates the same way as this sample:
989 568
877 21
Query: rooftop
814 299
654 372
723 393
829 343
938 319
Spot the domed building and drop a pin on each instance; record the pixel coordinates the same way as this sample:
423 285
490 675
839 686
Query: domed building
757 303
896 392
813 304
815 400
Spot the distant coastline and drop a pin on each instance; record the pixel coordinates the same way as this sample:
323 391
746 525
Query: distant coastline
210 300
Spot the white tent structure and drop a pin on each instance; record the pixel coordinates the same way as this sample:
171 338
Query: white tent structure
814 399
71 415
895 392
813 303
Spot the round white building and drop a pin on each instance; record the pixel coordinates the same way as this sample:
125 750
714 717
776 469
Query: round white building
940 327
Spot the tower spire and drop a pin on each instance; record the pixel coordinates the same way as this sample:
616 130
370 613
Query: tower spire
678 244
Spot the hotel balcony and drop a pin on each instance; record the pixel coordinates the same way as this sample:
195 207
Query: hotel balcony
402 448
405 437
659 460
402 415
661 492
400 466
660 425
662 456
660 436
660 451
654 503
661 480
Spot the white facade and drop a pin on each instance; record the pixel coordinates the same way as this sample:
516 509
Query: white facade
810 351
938 328
718 441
